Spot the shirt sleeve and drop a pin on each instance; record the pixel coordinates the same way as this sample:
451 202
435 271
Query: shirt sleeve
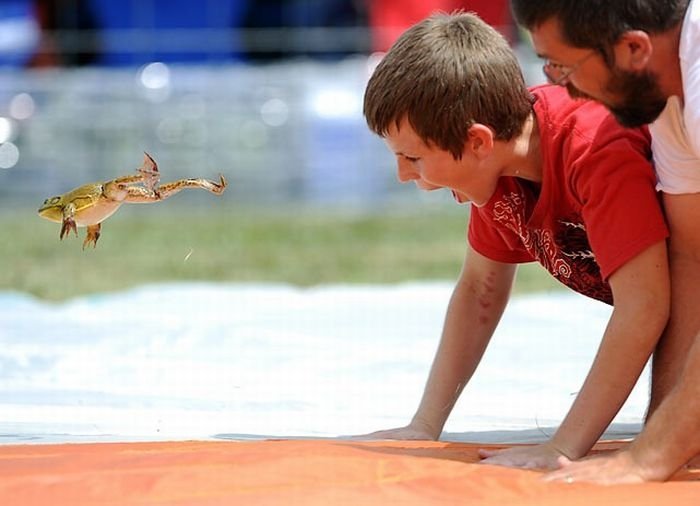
620 206
677 164
495 242
676 133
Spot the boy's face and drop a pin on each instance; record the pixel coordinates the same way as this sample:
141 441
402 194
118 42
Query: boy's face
633 97
431 168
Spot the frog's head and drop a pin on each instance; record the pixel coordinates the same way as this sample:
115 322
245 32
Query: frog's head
52 209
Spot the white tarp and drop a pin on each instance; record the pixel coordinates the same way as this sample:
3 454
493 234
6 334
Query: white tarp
246 360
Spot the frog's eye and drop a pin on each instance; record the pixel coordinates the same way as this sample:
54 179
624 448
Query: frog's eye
51 201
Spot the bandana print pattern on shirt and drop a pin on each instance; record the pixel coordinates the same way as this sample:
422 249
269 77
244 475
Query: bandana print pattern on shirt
563 250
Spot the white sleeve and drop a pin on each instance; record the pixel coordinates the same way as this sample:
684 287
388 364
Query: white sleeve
676 133
689 53
677 166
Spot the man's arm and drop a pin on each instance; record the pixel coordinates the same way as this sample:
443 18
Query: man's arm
672 434
670 439
473 313
641 294
683 216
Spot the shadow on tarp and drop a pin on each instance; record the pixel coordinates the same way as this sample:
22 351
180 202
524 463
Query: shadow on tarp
616 432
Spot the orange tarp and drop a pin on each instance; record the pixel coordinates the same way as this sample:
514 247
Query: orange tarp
298 472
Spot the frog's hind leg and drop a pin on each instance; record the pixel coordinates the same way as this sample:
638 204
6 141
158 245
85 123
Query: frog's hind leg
147 175
137 194
168 189
93 233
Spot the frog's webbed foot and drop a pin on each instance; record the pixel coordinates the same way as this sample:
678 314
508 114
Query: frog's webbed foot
220 187
205 184
68 223
93 233
149 173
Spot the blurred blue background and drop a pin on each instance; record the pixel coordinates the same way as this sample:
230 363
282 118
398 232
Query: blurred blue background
269 93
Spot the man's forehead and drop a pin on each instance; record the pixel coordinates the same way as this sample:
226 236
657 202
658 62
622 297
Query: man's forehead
548 40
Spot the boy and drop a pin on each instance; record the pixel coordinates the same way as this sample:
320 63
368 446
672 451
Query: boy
549 179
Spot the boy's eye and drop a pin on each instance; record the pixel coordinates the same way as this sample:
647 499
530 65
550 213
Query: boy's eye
411 159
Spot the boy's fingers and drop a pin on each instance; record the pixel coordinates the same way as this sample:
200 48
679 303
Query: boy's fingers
561 474
563 462
484 453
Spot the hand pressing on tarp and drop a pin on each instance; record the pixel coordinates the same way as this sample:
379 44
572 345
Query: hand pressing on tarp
543 456
617 468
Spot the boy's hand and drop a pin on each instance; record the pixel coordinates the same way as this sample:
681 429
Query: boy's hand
542 456
617 468
411 432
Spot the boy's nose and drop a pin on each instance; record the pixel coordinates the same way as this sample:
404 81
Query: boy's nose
406 171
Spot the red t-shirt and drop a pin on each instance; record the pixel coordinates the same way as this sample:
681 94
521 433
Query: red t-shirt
595 209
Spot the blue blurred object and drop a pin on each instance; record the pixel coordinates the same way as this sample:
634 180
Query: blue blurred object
19 32
295 16
135 32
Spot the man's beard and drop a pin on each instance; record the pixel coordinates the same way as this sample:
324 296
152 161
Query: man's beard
642 100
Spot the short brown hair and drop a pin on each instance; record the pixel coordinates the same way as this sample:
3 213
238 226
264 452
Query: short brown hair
444 74
598 24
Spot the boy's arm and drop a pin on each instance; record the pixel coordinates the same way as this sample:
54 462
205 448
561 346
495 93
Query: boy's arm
473 313
641 291
641 294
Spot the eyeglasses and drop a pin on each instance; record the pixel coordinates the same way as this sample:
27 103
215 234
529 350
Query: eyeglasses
559 74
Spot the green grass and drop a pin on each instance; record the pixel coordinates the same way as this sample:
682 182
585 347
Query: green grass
141 246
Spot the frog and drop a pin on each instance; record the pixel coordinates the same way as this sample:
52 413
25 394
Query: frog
89 205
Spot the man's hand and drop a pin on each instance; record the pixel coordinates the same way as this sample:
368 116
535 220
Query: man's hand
542 456
617 468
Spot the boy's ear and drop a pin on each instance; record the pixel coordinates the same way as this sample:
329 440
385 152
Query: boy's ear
633 50
480 139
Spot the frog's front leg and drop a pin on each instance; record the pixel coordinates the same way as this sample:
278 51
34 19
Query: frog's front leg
93 233
68 223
